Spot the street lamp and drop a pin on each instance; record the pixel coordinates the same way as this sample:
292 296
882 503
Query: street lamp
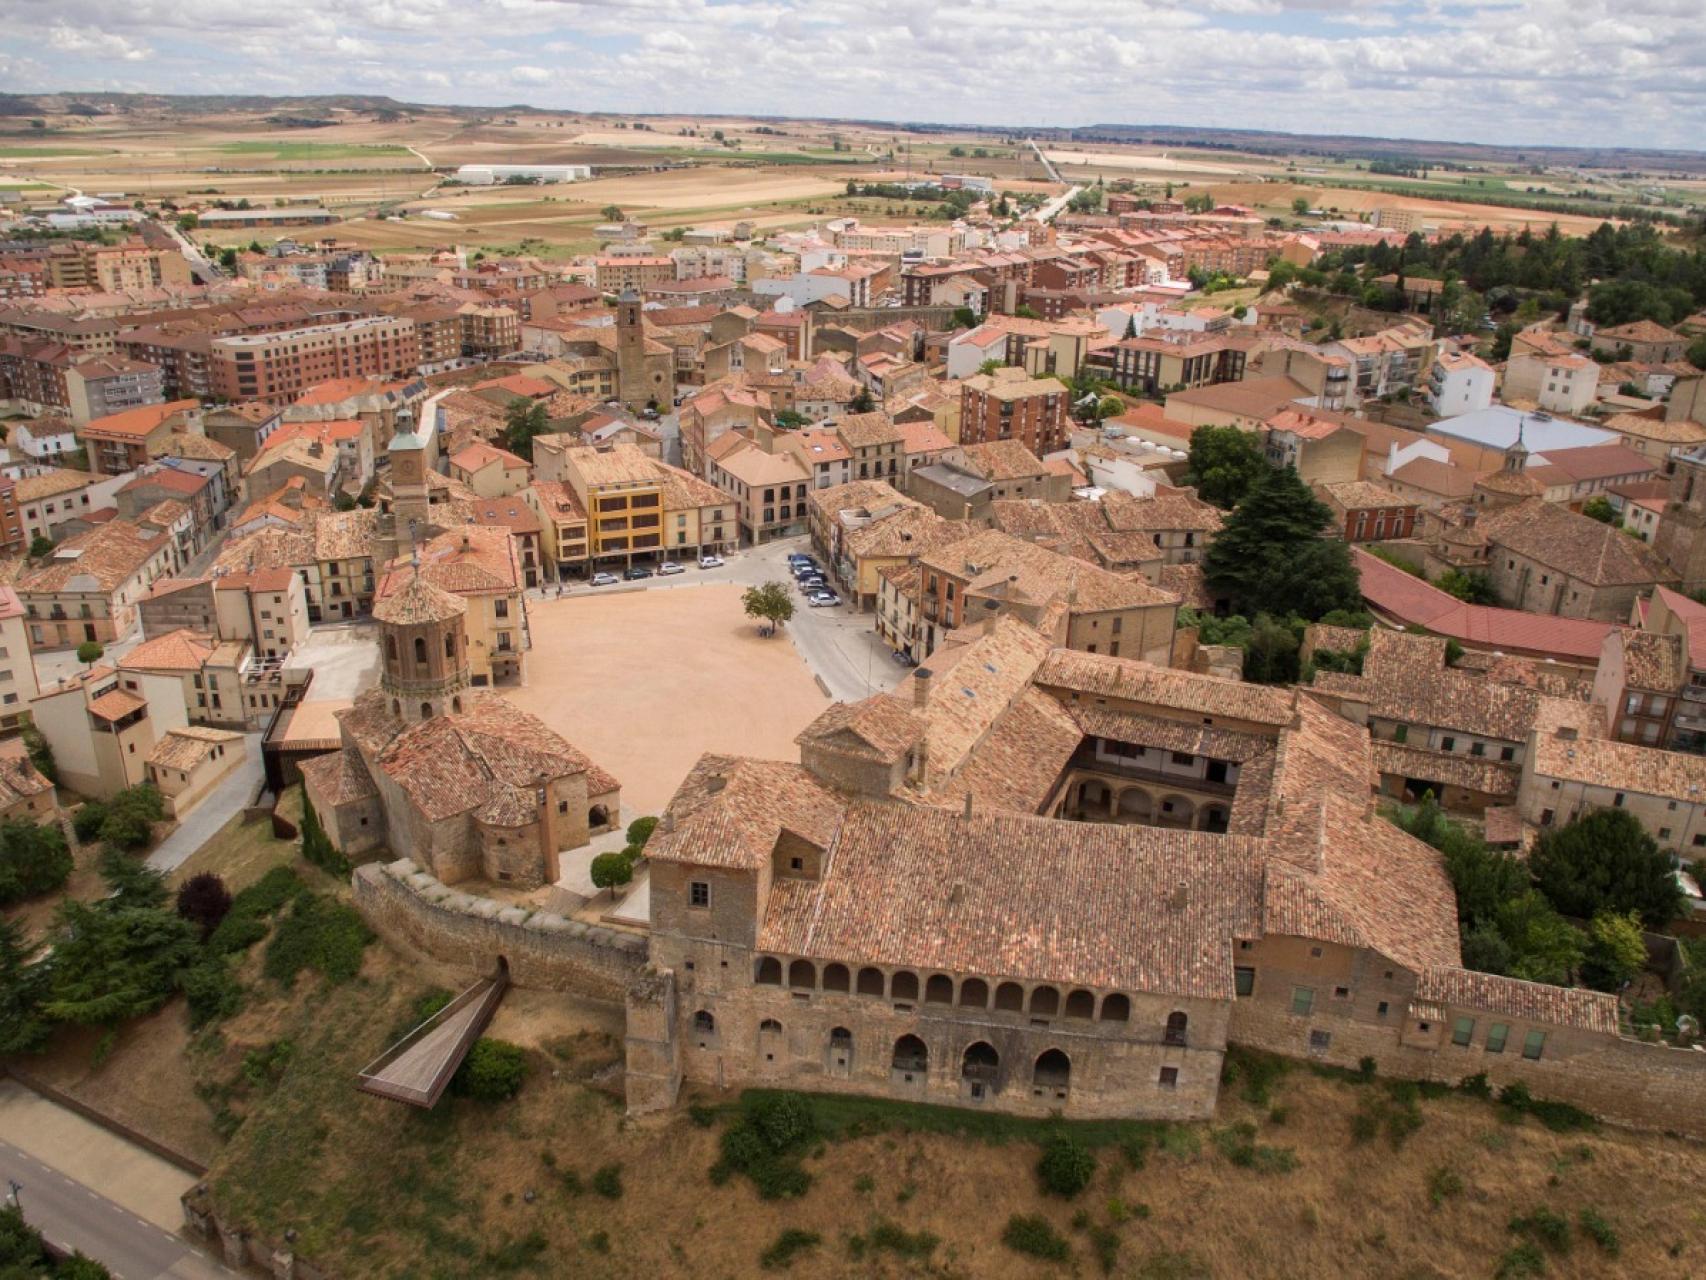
13 1187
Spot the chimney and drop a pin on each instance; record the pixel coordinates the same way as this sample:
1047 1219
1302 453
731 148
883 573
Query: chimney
968 804
921 687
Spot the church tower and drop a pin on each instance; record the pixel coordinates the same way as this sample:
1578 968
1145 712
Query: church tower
410 503
633 387
423 643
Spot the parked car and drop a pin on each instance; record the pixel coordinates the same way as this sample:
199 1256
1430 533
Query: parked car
668 567
823 599
633 573
604 579
710 562
801 570
812 582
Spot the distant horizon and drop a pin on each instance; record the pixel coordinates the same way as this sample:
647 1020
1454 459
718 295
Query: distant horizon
1593 74
1014 127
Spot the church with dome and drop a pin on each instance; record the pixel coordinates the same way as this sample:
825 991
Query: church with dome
458 778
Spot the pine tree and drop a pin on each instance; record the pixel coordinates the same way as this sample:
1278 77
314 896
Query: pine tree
22 987
1271 556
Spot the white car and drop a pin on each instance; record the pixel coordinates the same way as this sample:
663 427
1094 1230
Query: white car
668 567
823 599
604 579
710 562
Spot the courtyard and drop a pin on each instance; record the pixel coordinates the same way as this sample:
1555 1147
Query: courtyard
645 682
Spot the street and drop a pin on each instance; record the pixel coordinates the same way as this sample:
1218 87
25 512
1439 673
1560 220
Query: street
71 1216
839 645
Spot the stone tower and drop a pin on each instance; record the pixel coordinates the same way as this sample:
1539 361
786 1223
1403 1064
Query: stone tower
423 643
410 503
1681 539
633 387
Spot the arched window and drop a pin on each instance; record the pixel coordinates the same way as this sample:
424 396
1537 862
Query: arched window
420 650
704 1024
836 977
802 974
770 1027
840 1040
1045 1002
974 993
1053 1070
980 1063
904 986
391 648
939 989
456 704
769 971
450 644
1011 997
1081 1004
1116 1008
871 982
1175 1028
911 1056
426 711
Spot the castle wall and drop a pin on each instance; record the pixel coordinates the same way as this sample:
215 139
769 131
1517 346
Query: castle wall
415 912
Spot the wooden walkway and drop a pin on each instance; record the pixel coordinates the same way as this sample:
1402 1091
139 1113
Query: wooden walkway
418 1067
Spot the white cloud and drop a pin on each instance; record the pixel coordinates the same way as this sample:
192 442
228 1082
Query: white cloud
1623 72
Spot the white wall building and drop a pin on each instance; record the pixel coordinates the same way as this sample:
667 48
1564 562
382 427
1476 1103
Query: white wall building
486 175
1459 383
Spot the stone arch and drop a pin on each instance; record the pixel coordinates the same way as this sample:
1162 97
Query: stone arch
426 711
1094 796
420 650
974 993
835 977
802 975
1176 811
1081 1004
704 1028
771 1026
769 971
871 982
770 1042
1045 1002
456 704
840 1061
396 707
1010 996
598 816
1176 1024
911 1057
904 985
1053 1070
938 989
1116 1008
979 1065
1136 805
1214 817
391 649
450 644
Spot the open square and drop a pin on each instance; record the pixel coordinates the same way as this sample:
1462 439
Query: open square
645 682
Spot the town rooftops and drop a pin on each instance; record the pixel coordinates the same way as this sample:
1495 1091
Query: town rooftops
1583 548
618 464
100 560
1002 460
418 601
186 747
1259 398
480 455
180 650
867 430
137 423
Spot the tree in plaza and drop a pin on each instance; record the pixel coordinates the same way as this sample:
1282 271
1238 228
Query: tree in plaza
523 420
769 603
1606 861
1270 557
1224 463
609 870
89 652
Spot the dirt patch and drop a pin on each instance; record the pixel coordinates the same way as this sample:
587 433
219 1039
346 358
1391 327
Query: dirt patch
697 678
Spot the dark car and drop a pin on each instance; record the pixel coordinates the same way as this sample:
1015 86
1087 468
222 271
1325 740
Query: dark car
635 572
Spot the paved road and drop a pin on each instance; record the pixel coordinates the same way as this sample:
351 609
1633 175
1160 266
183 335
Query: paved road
839 645
217 808
72 1216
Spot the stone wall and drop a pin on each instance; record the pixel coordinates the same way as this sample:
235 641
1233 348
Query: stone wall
414 912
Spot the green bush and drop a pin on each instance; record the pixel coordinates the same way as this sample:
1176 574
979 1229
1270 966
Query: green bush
317 846
640 830
607 1181
1601 1232
1520 1260
86 822
130 817
764 1144
266 1065
1544 1225
609 870
493 1071
1105 1241
1443 1183
33 860
1035 1236
1066 1166
786 1247
318 933
211 990
885 1237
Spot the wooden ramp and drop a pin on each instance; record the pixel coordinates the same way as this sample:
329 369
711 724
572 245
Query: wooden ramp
417 1068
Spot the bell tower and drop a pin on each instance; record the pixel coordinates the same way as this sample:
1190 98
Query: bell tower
410 503
633 387
423 643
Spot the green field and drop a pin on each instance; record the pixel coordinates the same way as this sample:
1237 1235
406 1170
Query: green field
49 149
310 150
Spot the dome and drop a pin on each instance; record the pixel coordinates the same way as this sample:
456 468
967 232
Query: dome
417 602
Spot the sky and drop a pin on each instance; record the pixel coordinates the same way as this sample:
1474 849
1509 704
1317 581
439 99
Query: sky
1564 72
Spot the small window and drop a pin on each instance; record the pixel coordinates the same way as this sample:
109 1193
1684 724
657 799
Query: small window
1380 1009
1315 953
1319 1041
1533 1043
1341 993
1169 1078
1462 1030
1244 980
1497 1034
699 894
1448 744
1617 800
1302 1001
